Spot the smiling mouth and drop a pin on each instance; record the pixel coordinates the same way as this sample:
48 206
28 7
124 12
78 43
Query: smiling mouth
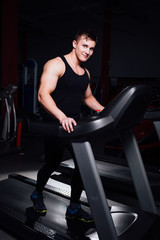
85 56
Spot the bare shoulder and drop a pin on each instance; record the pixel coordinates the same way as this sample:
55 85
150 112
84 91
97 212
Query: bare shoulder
56 60
55 65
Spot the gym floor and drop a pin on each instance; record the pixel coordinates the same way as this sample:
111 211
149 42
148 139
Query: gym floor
26 162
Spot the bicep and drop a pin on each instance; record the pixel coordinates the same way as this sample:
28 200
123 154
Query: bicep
48 83
49 78
88 92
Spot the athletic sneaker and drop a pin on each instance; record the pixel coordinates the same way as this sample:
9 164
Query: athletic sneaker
79 214
38 204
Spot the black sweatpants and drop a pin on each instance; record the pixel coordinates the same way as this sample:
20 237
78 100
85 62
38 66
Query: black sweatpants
54 150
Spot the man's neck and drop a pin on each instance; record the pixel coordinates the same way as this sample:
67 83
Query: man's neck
74 63
73 59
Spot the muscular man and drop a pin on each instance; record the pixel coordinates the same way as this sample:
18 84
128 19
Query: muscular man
64 84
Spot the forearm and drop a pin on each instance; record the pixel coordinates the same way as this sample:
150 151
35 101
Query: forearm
92 103
49 105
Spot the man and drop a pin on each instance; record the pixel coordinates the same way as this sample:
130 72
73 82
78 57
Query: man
64 84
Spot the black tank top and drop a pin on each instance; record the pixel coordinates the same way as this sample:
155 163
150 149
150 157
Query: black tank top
69 91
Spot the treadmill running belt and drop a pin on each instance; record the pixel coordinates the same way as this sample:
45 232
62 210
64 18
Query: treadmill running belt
15 202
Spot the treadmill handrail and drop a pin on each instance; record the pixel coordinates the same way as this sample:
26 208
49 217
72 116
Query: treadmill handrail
125 111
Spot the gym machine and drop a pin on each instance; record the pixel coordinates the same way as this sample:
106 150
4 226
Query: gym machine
8 130
117 119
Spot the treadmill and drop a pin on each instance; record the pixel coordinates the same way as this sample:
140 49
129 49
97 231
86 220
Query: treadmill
117 119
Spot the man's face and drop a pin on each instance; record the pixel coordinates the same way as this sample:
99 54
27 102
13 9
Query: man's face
84 48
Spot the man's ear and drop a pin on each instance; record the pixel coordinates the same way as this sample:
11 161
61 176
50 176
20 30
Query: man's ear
74 43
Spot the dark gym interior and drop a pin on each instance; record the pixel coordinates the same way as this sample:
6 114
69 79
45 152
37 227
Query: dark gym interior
124 170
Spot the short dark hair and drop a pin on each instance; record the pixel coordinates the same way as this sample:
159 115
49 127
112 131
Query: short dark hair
86 32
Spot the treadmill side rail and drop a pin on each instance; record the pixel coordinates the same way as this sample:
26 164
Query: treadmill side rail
94 190
138 172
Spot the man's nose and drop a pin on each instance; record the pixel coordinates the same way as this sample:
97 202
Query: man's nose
87 51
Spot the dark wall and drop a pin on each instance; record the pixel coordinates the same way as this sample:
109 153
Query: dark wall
135 48
135 37
53 37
